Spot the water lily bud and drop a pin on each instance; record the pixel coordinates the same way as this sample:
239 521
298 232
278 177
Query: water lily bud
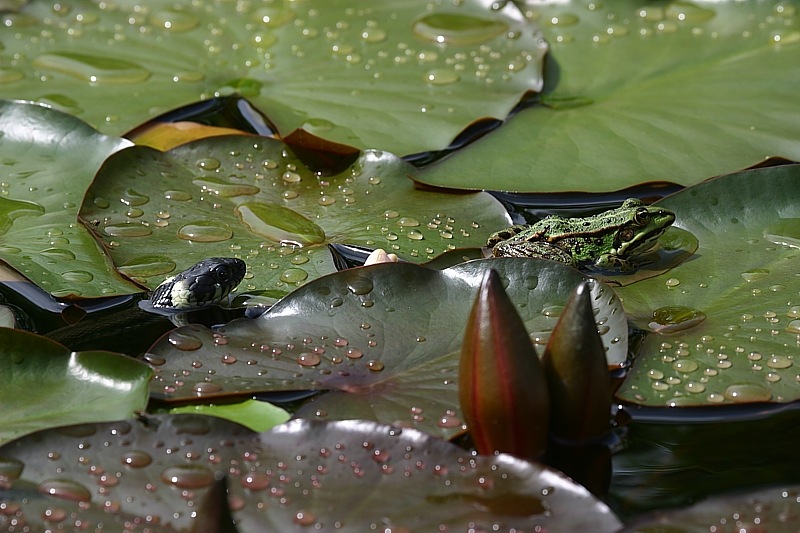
380 256
502 387
577 372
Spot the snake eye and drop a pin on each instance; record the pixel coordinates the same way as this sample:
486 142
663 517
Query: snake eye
626 234
641 216
221 273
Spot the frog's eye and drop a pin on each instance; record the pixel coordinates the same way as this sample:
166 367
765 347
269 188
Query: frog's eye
626 234
641 217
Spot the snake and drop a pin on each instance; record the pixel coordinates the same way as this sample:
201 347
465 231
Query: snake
203 285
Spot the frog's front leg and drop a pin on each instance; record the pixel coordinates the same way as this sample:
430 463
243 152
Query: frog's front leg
540 249
505 234
613 262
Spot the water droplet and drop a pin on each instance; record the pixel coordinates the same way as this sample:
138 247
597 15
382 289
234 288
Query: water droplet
672 282
65 489
92 68
279 224
78 276
174 21
255 481
128 229
294 275
689 12
779 361
359 285
205 231
793 327
440 76
54 514
308 359
303 518
685 365
133 198
10 468
318 125
326 200
755 274
13 209
373 35
275 16
374 365
354 353
415 235
136 459
59 254
147 266
564 19
456 29
745 393
178 196
204 387
184 341
448 421
673 318
188 476
292 177
553 311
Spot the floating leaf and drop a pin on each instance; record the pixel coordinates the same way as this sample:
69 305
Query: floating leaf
252 198
725 324
346 476
773 509
502 387
48 160
384 339
43 385
400 76
256 415
672 92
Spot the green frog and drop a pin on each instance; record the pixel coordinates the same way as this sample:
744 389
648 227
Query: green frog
613 239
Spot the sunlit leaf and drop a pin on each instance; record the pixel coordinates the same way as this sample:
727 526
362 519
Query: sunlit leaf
48 160
725 323
399 76
256 415
43 385
345 476
384 340
159 212
674 92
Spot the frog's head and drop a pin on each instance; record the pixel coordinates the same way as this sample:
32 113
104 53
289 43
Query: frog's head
641 226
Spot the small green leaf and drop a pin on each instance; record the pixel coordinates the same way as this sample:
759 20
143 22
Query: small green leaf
502 387
256 415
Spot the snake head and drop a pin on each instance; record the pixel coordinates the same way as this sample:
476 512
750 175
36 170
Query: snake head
201 285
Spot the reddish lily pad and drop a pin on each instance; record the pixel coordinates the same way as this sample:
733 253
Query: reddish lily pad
348 476
384 339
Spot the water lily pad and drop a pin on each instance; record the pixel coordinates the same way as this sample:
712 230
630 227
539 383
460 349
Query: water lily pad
157 212
399 76
384 339
348 476
725 324
47 159
767 509
674 92
43 385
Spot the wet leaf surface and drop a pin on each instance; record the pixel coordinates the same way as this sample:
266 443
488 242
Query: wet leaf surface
725 323
159 212
48 160
348 476
399 76
773 509
256 415
43 385
646 93
384 339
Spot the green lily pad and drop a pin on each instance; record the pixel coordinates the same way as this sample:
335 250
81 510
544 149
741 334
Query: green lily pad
765 510
385 341
47 160
348 476
400 76
674 92
256 415
43 385
157 212
725 323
